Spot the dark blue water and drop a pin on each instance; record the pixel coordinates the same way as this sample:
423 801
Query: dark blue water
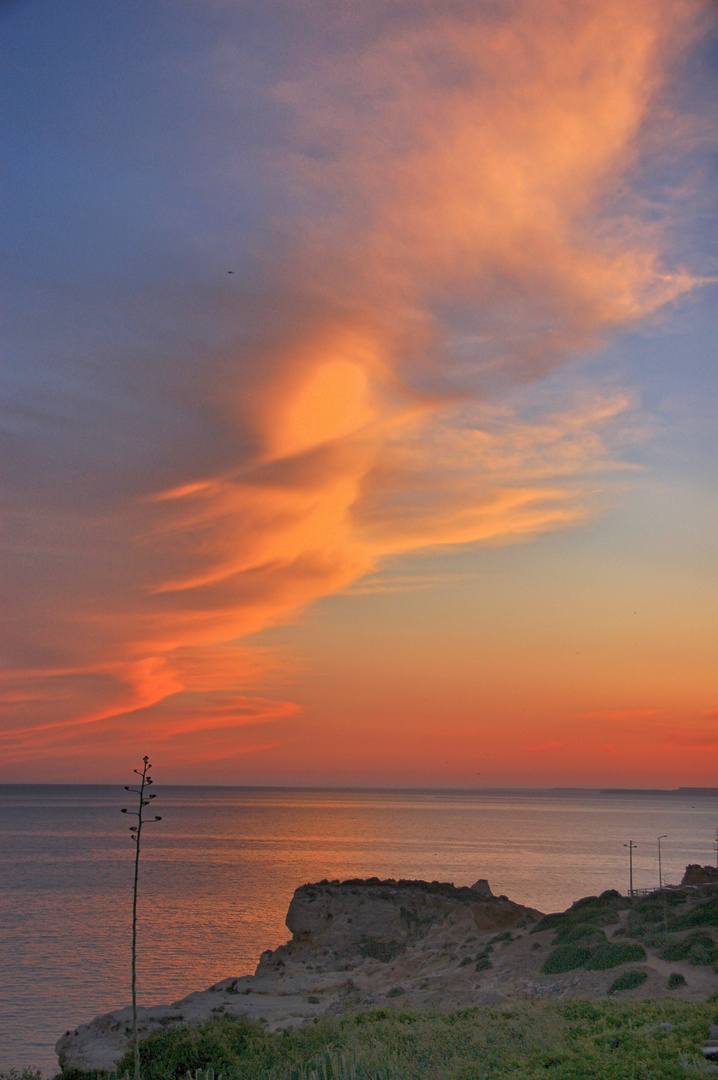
218 872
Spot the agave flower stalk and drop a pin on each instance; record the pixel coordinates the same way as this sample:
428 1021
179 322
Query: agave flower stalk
143 800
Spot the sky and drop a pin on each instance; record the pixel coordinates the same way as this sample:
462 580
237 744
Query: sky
359 412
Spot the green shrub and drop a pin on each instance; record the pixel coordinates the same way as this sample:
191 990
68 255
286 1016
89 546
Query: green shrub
647 915
579 933
651 937
396 991
482 963
598 958
21 1074
548 922
594 910
385 951
611 955
697 948
675 979
608 898
704 913
628 981
565 958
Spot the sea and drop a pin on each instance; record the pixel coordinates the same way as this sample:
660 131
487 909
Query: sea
218 871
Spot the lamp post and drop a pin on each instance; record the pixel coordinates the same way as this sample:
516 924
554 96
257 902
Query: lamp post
630 845
660 873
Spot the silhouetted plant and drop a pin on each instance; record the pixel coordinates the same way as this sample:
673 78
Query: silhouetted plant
144 799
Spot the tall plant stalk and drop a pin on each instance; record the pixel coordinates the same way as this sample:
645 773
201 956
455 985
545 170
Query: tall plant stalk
143 800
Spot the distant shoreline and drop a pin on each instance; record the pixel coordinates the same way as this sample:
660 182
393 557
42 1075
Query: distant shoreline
660 791
692 791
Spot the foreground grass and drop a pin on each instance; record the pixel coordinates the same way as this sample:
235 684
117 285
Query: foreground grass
570 1040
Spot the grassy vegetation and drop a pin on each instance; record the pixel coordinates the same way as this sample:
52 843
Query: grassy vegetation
671 911
569 1040
599 958
565 958
611 955
674 922
696 948
579 938
704 913
584 918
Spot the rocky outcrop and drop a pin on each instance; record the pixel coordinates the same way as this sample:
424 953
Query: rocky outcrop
354 943
380 920
699 875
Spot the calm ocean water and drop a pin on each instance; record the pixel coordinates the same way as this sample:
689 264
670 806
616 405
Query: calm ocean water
218 872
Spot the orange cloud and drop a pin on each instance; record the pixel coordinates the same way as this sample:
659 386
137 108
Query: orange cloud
454 220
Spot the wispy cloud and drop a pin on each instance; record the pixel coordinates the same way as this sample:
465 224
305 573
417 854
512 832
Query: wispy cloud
452 217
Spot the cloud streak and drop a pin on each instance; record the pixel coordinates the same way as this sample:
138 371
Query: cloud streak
454 214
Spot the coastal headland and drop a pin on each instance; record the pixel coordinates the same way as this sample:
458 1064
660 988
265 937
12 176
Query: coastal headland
360 944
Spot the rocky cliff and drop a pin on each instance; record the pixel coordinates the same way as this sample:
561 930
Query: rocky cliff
353 944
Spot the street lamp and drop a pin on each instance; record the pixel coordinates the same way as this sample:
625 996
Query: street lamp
660 874
630 845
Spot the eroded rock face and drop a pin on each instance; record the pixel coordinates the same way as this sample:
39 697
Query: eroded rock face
381 919
352 943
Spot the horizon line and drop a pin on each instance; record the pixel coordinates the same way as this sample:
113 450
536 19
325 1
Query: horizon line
378 788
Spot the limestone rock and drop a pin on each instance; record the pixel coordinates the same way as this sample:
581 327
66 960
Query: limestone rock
354 917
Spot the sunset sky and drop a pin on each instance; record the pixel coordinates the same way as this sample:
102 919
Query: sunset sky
359 423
